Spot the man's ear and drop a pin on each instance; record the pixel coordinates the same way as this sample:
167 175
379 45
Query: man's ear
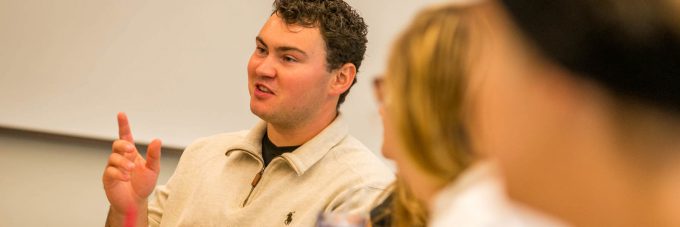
342 78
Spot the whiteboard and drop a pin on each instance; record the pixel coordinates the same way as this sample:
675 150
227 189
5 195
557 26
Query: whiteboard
178 68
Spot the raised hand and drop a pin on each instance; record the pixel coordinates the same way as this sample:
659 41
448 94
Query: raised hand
128 178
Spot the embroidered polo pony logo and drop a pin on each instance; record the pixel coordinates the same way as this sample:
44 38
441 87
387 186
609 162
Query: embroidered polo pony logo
289 218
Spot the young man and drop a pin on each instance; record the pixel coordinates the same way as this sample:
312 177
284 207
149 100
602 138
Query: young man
298 162
581 107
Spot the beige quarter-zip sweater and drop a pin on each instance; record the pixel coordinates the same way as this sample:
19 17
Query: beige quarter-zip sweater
220 181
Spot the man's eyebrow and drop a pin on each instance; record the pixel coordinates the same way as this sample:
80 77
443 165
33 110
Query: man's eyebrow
288 48
281 48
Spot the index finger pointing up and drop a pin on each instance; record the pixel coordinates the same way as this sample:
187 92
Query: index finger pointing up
124 131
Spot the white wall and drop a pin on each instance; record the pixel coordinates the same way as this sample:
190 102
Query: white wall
50 182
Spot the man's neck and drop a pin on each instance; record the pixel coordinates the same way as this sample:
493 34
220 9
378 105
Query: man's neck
300 132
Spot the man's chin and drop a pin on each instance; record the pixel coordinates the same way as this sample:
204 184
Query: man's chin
259 111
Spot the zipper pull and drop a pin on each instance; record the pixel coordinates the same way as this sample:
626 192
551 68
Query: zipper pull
257 178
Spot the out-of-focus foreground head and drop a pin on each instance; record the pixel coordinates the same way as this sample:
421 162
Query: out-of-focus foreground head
342 28
631 47
581 108
424 91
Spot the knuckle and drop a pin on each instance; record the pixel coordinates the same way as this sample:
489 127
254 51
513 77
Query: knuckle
110 172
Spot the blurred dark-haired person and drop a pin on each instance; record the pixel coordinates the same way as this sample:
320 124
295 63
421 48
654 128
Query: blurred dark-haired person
299 161
581 108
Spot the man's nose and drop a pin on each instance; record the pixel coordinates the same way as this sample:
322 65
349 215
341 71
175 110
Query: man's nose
267 67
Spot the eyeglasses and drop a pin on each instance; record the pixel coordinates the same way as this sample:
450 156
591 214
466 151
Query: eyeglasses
378 89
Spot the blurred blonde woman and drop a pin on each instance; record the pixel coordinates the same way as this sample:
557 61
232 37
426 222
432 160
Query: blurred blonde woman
427 98
421 105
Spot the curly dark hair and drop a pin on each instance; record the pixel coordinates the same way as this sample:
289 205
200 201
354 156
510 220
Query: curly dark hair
342 28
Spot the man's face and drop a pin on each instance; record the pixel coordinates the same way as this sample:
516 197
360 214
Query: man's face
288 80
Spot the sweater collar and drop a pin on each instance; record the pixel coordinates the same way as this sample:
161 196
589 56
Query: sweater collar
305 156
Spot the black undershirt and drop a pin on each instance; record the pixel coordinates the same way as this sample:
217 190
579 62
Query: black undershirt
271 151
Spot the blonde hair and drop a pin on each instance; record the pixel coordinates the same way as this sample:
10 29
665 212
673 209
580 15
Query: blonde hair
424 94
425 89
407 211
404 210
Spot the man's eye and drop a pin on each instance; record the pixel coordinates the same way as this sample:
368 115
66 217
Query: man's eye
289 59
261 50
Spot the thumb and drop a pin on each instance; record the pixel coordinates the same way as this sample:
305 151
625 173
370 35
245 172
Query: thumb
153 155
